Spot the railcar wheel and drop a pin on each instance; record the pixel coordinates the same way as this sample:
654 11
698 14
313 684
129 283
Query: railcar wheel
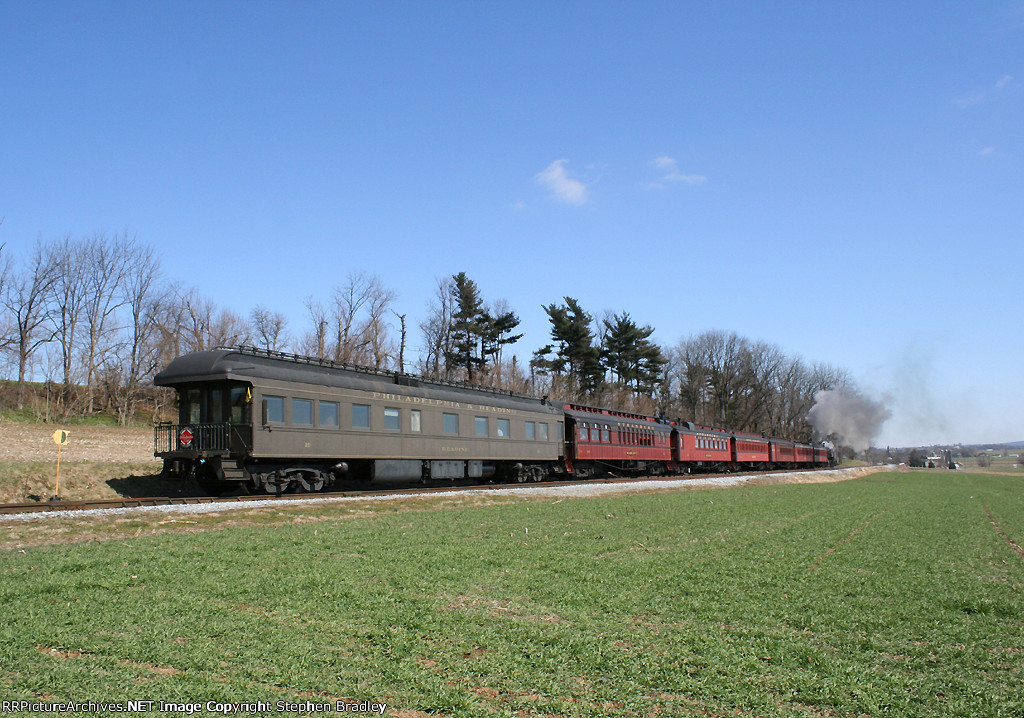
275 484
311 482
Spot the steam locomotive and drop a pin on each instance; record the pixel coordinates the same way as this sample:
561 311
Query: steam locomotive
263 421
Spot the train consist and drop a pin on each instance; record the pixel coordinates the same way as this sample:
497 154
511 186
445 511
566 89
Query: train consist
266 421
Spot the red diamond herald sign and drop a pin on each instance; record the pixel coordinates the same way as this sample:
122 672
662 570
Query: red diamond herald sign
185 437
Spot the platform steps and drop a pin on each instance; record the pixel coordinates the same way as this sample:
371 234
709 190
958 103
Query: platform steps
232 470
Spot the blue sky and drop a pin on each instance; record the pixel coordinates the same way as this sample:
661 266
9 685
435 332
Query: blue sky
844 180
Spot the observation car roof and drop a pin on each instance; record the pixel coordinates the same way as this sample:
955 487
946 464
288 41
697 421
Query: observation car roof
609 416
249 364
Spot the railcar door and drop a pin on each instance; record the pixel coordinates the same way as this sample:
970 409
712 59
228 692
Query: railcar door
240 419
674 444
570 443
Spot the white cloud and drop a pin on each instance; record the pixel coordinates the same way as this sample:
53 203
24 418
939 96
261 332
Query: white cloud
979 96
561 185
669 169
985 151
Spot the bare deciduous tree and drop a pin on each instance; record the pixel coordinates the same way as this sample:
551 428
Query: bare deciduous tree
67 299
438 341
106 261
349 300
722 379
25 298
374 329
144 301
268 328
314 343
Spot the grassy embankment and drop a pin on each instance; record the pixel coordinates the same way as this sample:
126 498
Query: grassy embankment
890 595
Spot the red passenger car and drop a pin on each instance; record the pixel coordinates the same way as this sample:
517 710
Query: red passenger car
783 453
599 440
804 454
702 447
750 451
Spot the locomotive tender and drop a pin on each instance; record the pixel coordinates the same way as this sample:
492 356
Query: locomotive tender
250 419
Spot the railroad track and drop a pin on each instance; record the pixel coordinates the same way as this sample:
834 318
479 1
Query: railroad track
126 503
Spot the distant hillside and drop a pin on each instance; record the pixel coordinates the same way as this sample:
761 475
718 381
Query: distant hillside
1009 445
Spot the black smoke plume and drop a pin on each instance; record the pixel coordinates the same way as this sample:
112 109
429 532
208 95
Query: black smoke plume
853 418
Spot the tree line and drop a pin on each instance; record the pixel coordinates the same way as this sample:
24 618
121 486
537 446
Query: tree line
96 318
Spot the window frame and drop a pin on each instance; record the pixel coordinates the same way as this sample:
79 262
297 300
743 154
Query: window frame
481 426
272 401
446 428
305 403
320 414
360 425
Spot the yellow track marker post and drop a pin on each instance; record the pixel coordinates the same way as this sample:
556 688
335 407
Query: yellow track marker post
60 437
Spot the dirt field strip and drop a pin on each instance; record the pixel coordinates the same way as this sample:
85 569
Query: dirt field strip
34 442
1014 546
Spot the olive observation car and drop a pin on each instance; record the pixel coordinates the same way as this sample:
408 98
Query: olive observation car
253 419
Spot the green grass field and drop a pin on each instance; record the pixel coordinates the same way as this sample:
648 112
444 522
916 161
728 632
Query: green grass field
893 595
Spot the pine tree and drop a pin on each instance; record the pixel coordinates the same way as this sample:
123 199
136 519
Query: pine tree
478 334
467 325
575 352
628 353
497 334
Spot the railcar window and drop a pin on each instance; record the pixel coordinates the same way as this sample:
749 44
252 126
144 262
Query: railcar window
451 423
240 398
392 419
542 431
480 426
329 414
360 416
302 412
503 428
531 430
275 409
606 435
415 417
192 409
216 406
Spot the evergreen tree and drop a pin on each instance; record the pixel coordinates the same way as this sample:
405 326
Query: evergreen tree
478 335
468 322
628 353
575 353
497 334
